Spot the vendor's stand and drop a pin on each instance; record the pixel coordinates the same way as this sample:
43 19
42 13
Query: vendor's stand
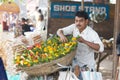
12 46
48 53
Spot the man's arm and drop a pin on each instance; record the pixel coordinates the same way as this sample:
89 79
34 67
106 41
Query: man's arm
90 44
62 36
68 30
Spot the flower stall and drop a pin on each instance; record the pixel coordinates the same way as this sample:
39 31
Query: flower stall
38 59
42 58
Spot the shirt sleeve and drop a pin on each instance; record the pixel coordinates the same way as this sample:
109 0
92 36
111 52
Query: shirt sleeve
68 29
98 41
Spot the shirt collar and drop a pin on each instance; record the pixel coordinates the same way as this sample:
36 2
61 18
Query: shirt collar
85 31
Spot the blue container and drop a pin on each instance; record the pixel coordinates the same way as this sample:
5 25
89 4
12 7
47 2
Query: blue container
3 75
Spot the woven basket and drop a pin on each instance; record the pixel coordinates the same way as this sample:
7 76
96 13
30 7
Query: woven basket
50 67
18 48
37 39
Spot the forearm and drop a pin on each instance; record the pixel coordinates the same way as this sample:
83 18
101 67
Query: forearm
60 33
92 45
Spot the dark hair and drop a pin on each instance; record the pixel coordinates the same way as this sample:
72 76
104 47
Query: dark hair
82 14
23 19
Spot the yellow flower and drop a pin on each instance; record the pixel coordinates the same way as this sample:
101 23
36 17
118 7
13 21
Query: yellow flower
37 53
49 41
51 49
68 49
45 49
66 44
17 57
74 38
48 47
54 49
56 55
73 43
25 62
17 62
50 56
63 53
35 61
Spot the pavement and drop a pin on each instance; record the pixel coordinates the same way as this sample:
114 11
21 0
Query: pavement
106 67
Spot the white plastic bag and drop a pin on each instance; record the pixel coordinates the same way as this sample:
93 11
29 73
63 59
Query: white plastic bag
67 75
89 75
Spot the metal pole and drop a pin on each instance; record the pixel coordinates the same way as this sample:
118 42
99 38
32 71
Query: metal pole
82 5
116 31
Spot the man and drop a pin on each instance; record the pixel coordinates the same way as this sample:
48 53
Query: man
88 42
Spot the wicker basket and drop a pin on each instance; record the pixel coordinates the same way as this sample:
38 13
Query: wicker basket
37 39
50 67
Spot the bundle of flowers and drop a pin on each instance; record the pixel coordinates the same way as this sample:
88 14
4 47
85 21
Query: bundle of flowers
46 51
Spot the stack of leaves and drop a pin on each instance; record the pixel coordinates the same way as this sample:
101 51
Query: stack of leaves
47 51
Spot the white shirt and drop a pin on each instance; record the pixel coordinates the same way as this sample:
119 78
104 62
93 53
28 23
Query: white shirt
85 54
40 25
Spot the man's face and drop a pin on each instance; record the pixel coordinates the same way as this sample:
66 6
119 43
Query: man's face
81 23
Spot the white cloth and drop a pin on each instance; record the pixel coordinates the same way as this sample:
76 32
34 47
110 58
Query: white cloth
40 25
37 15
85 54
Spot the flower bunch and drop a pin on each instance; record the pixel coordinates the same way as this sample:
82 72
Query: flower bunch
46 51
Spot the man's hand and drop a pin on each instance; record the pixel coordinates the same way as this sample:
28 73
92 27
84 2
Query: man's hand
94 46
63 38
81 40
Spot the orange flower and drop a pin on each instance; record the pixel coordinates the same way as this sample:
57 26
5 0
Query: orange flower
28 65
38 45
44 55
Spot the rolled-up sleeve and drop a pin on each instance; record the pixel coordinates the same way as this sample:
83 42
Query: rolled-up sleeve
101 49
98 41
67 30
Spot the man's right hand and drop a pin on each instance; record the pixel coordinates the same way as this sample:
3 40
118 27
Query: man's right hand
63 38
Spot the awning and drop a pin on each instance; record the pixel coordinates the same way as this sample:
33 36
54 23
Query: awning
9 7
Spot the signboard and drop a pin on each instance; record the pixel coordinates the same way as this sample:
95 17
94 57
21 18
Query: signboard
67 9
